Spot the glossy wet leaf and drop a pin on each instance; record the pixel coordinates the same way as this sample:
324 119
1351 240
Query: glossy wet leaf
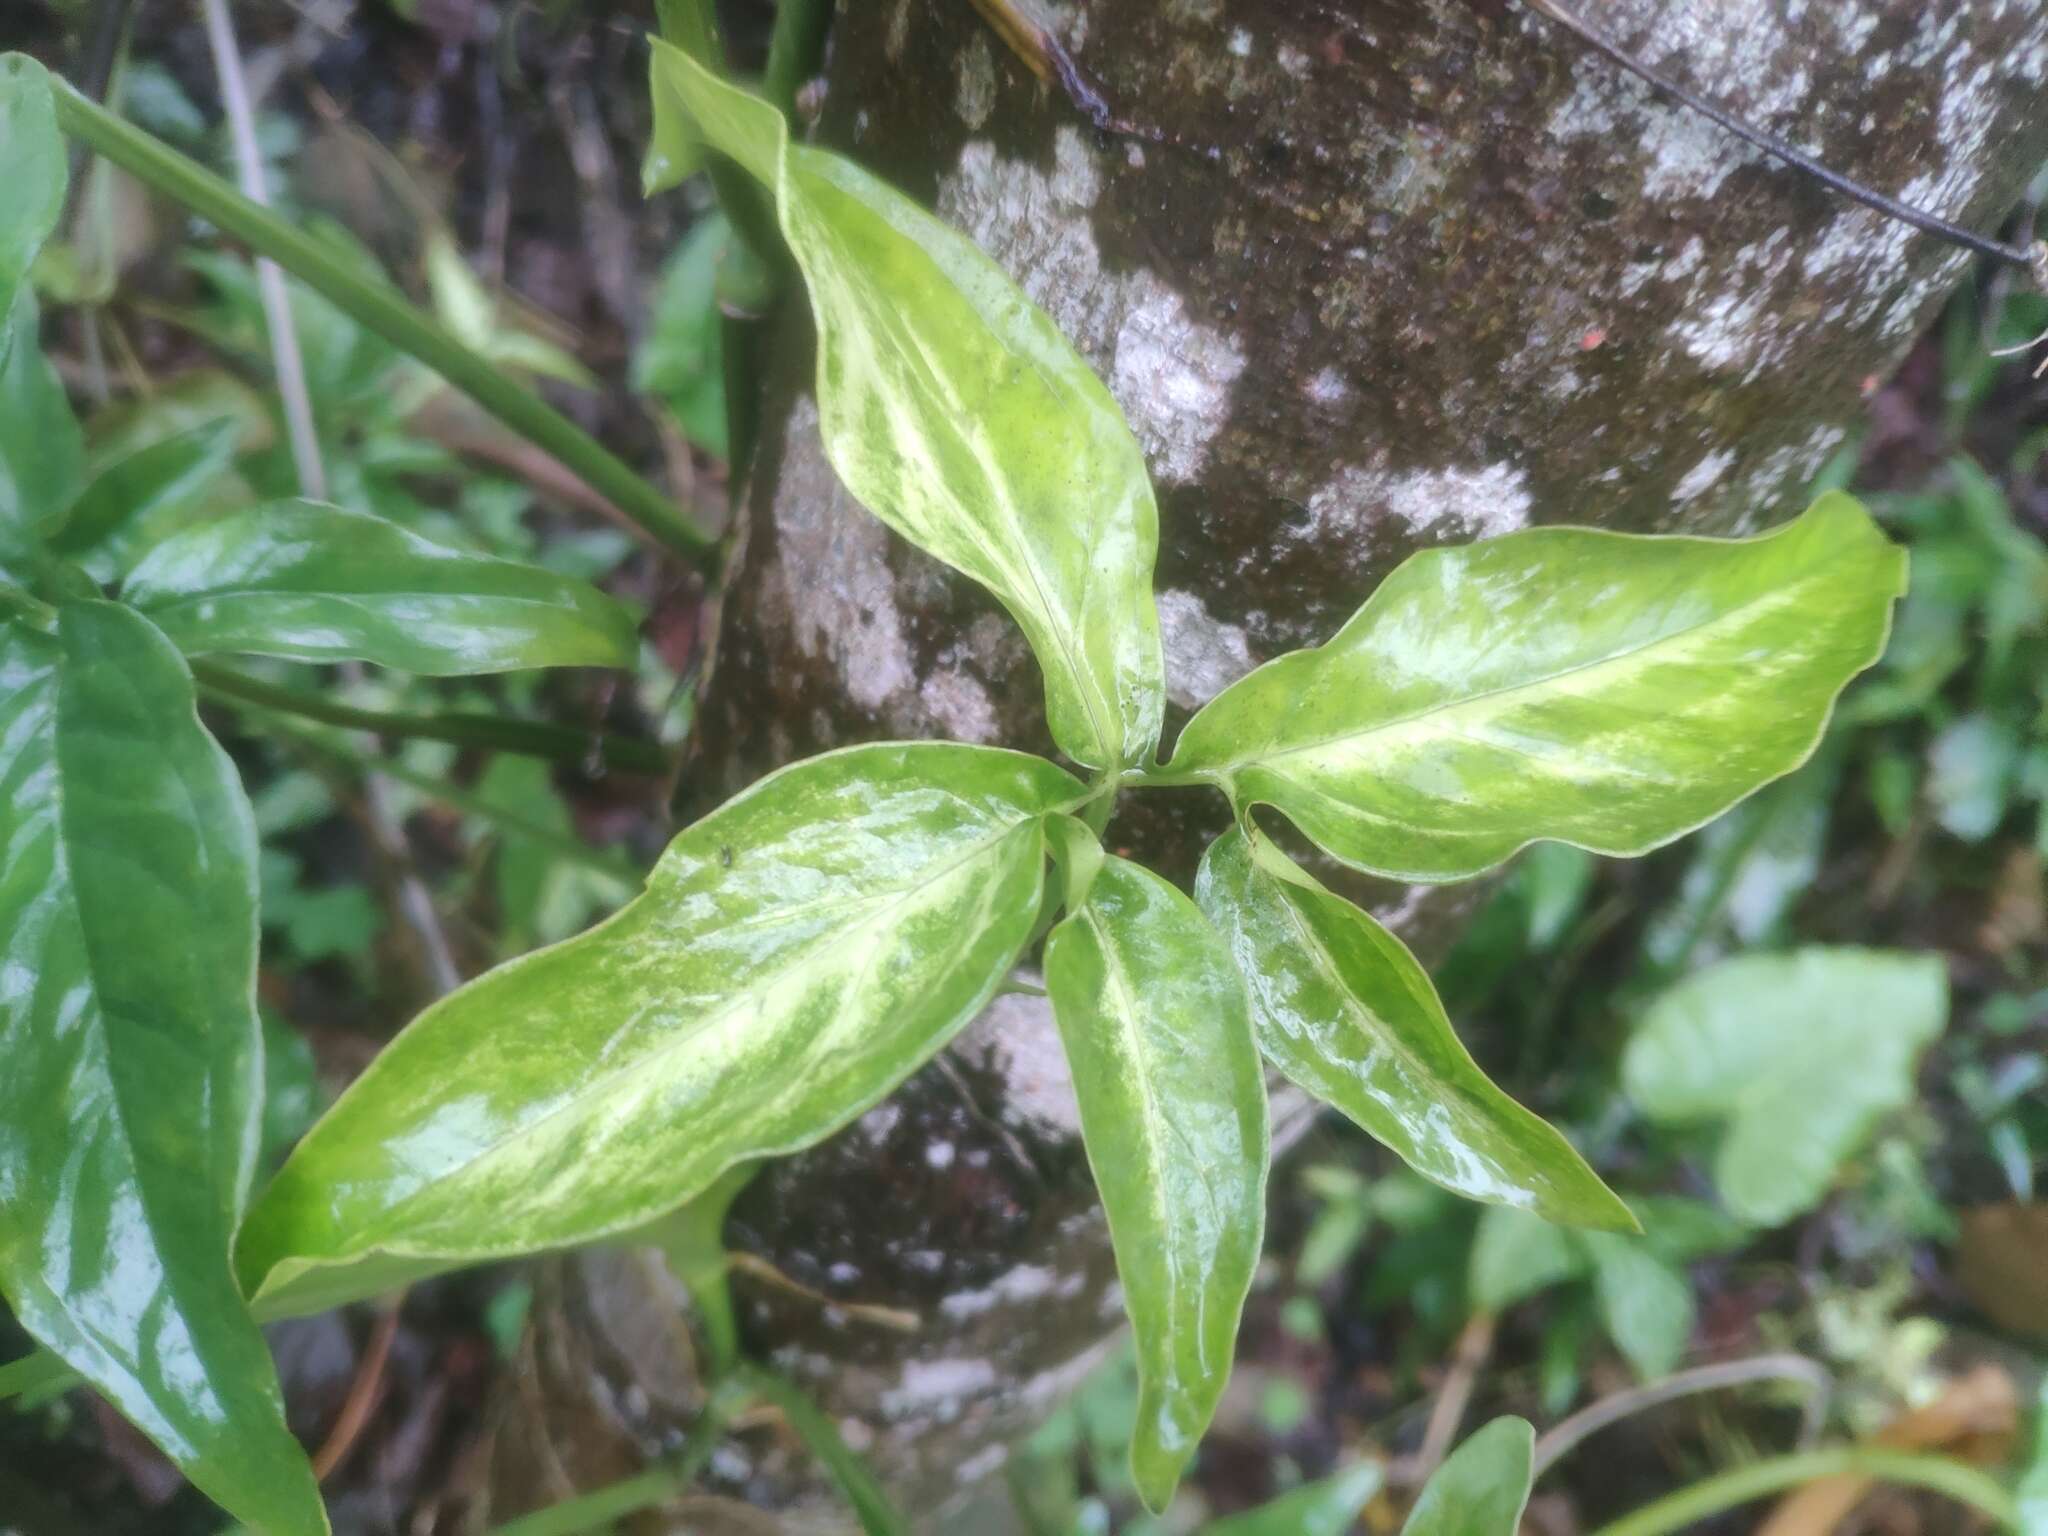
1798 1054
955 410
130 1100
137 490
1645 1303
321 583
1607 690
32 169
1325 1508
796 954
1342 1007
1173 1113
1481 1488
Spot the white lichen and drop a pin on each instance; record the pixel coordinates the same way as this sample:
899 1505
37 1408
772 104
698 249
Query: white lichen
1172 374
1463 503
1703 476
1204 655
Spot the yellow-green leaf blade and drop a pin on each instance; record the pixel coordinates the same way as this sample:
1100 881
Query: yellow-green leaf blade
130 1097
955 410
796 954
1341 1007
322 583
1173 1113
1606 690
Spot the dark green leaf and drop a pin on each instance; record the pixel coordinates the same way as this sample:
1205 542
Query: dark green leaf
1173 1112
796 954
138 490
1481 1488
1601 689
130 1101
955 410
1799 1054
33 171
320 583
1343 1009
42 452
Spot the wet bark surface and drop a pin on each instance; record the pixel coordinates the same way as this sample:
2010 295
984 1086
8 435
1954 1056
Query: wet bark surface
1376 276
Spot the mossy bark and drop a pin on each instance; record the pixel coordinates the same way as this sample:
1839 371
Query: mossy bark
1377 274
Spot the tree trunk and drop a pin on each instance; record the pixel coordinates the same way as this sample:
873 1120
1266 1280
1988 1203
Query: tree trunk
1374 275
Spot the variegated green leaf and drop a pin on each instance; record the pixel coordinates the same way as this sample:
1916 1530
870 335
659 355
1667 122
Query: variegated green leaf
1602 689
1173 1113
1344 1010
955 410
795 956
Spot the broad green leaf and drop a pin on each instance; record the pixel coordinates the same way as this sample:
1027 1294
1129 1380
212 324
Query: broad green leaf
1325 1508
1481 1487
1799 1054
1645 1303
1601 689
796 954
32 169
1517 1254
1173 1114
321 583
1342 1007
955 410
138 489
130 1101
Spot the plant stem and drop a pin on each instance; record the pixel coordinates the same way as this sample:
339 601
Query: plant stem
877 1516
335 745
287 363
1558 1441
491 733
659 1483
793 49
381 309
1966 1485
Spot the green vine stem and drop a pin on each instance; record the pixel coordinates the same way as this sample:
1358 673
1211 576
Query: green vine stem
1678 1511
333 746
656 1485
493 733
383 310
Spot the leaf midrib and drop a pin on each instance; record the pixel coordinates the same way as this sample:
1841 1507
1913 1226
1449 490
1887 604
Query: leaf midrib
1777 597
685 1035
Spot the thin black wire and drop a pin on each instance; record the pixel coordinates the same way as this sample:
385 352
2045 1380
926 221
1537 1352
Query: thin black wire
1906 213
